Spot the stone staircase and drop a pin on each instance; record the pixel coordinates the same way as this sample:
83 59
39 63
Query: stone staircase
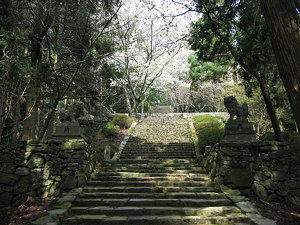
156 181
160 138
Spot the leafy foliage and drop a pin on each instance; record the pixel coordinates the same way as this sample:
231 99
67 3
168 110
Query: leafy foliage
123 121
209 130
110 130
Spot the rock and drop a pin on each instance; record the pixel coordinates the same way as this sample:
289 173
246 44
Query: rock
260 177
39 175
82 179
278 176
240 177
22 171
231 151
260 191
247 207
269 185
64 155
20 161
296 170
291 185
56 159
6 196
5 158
282 193
9 179
69 182
73 144
7 167
36 148
258 219
24 182
35 161
294 197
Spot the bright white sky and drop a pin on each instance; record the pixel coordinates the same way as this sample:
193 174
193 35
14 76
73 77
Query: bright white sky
170 8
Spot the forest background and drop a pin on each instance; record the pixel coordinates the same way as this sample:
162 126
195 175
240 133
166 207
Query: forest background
124 56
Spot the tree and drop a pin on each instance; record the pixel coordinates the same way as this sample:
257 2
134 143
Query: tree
282 20
146 48
231 29
48 49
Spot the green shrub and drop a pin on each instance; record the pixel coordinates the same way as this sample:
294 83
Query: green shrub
209 130
122 121
110 129
221 118
210 137
206 121
290 136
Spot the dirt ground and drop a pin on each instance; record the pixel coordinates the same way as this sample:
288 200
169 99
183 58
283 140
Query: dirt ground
281 212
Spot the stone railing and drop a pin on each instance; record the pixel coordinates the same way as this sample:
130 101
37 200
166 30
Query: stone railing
44 169
269 170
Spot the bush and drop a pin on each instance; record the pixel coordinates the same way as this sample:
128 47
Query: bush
290 136
222 119
123 121
110 129
210 137
209 130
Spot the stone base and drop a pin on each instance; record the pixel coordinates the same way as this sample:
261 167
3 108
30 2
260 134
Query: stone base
239 131
239 138
68 131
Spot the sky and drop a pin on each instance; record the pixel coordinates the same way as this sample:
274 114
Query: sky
176 10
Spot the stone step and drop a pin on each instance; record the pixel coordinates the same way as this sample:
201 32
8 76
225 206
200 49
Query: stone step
142 175
170 154
181 195
155 210
117 202
158 147
156 157
156 189
155 220
152 162
154 169
159 150
151 183
169 178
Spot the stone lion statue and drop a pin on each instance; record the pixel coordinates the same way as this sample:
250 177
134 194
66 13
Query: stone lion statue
235 109
74 111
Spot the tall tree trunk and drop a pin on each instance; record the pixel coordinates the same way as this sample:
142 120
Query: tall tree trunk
17 115
271 111
2 110
128 104
282 21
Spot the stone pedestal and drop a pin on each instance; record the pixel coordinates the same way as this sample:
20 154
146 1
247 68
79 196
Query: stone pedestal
239 131
68 130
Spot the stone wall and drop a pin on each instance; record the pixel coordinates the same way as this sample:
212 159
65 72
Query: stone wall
44 169
269 170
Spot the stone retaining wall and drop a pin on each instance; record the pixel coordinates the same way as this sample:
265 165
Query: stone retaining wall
44 169
269 170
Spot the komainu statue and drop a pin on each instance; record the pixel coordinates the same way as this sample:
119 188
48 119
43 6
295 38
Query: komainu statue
238 128
235 109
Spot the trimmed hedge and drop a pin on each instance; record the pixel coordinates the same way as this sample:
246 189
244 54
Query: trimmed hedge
118 122
209 131
123 121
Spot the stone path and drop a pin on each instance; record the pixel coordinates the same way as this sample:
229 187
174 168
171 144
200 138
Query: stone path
156 181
